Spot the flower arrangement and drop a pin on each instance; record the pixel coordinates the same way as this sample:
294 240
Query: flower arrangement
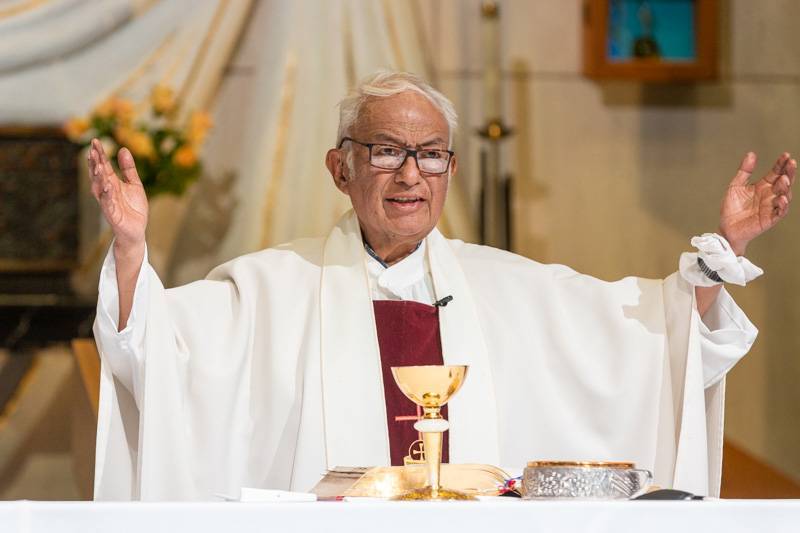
166 156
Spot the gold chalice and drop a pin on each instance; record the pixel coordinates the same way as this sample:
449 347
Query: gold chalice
431 387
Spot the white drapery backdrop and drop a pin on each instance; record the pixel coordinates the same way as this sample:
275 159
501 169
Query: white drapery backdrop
60 58
311 53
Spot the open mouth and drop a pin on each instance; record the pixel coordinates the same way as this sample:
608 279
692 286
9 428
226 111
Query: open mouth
405 200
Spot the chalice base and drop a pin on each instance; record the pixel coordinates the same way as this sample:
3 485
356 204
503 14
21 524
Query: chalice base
426 494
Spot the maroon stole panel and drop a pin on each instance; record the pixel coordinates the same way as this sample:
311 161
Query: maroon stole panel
408 334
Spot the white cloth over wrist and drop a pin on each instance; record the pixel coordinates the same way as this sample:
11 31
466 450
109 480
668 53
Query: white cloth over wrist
715 251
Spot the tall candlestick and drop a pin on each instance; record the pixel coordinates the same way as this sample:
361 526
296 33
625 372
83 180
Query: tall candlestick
491 60
495 188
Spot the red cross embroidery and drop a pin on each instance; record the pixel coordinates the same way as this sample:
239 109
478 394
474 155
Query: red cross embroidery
411 418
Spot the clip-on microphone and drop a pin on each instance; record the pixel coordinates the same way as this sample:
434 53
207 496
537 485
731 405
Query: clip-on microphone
443 302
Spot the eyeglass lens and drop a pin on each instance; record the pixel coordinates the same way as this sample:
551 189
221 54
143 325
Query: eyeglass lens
391 158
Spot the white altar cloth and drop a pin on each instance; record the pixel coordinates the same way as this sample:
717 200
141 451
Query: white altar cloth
727 516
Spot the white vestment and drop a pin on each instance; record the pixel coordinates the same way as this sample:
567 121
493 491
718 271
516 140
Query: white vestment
268 372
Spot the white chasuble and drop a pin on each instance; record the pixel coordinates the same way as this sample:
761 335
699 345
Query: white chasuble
268 372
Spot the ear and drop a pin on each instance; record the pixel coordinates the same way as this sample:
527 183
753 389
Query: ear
337 166
453 165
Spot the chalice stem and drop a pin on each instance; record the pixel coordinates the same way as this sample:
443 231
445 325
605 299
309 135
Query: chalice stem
432 440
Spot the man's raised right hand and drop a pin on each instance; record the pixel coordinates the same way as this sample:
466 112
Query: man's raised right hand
124 205
123 201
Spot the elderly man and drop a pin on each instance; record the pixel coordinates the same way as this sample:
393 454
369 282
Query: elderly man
275 367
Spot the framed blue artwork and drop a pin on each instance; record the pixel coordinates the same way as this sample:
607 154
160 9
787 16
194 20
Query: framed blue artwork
650 40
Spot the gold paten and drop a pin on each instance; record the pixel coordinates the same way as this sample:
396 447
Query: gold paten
430 387
589 464
393 481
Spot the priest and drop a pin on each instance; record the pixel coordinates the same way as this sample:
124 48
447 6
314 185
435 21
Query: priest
276 366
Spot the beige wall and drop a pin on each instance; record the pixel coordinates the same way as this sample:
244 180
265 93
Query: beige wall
613 178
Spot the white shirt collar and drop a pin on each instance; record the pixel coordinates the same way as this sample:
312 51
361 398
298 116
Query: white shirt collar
401 279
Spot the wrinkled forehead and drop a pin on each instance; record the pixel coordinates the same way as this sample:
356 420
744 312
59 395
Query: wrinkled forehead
409 116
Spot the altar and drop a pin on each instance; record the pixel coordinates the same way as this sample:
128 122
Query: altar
497 514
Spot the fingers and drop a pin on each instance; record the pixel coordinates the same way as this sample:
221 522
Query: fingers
782 185
104 182
96 171
779 168
781 200
745 170
97 152
780 208
128 167
105 163
94 162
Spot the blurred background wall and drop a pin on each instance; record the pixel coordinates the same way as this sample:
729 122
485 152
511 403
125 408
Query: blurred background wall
610 178
614 177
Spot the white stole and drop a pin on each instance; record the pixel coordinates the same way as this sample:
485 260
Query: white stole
699 412
356 433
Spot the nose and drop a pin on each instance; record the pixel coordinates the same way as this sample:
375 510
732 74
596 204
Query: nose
409 172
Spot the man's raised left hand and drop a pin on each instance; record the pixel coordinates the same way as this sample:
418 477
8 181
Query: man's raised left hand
750 209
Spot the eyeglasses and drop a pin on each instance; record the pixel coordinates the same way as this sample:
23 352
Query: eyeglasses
389 157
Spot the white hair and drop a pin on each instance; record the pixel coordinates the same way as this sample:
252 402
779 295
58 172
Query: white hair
388 83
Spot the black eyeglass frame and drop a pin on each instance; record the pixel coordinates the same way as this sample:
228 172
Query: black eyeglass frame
409 153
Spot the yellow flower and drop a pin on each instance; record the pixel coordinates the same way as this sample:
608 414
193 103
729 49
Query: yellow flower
162 98
140 144
76 127
117 108
123 110
106 108
185 156
123 134
199 124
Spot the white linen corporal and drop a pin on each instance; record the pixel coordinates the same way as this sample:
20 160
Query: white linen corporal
268 372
